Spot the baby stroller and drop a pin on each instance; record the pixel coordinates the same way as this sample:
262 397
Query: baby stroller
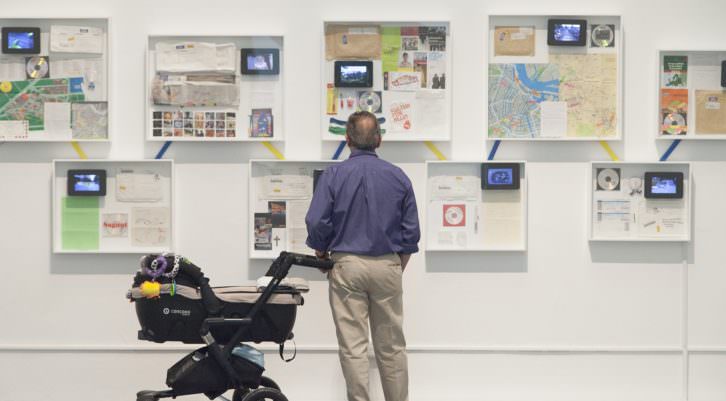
174 302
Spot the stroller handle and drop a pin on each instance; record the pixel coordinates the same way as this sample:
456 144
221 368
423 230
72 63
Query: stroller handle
311 261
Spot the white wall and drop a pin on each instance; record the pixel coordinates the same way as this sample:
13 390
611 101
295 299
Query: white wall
565 321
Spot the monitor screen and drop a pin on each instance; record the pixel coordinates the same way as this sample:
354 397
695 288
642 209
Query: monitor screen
567 32
500 176
663 185
260 62
353 74
21 40
87 182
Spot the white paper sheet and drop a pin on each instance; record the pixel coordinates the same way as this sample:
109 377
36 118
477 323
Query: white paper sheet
430 110
12 70
144 186
115 225
76 39
553 119
444 187
274 187
196 56
150 226
14 129
57 119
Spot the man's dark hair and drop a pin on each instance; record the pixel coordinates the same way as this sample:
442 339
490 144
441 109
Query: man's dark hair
363 130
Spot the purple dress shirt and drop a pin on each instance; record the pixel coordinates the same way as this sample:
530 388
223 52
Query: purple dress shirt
363 206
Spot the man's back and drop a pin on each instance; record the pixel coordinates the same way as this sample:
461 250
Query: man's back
364 206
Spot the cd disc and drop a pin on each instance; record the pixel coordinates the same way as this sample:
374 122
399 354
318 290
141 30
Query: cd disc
454 215
602 35
674 124
608 179
36 67
369 101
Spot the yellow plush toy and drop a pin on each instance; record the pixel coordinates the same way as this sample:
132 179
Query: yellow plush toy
150 289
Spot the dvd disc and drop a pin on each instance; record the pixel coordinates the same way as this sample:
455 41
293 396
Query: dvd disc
674 124
602 35
36 67
608 179
369 101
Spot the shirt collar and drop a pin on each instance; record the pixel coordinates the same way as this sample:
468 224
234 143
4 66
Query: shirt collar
359 152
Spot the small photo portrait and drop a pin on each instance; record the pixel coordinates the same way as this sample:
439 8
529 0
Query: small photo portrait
231 115
168 132
409 43
157 132
178 132
199 132
188 132
178 115
230 133
406 60
209 124
209 115
167 124
198 123
157 115
188 123
209 133
220 125
157 123
220 133
178 124
219 116
231 124
199 116
188 115
167 115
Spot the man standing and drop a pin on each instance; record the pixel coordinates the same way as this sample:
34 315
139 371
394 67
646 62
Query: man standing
364 213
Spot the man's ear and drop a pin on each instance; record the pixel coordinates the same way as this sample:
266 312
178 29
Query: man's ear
347 139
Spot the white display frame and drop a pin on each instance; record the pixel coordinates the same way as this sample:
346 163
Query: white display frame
458 166
490 58
324 66
691 118
685 167
97 21
253 168
279 122
60 166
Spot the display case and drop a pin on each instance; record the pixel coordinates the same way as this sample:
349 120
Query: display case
476 206
208 88
113 206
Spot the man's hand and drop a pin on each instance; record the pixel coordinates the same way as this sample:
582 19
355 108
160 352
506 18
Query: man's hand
322 255
404 260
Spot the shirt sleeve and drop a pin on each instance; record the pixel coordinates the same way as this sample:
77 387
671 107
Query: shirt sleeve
319 219
410 232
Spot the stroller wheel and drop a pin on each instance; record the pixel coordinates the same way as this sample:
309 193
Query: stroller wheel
267 382
240 393
264 393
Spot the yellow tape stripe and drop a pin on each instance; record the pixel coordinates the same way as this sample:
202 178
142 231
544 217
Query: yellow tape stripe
608 149
79 150
273 150
435 150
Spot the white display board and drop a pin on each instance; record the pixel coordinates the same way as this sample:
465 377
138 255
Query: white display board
280 194
691 101
621 209
410 92
203 92
461 216
538 91
59 90
136 215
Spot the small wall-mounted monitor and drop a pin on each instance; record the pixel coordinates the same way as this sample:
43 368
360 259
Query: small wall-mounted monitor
21 40
353 74
566 32
666 185
260 61
499 176
86 182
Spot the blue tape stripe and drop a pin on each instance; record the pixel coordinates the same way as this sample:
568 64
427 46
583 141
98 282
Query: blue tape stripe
670 150
494 149
338 151
163 150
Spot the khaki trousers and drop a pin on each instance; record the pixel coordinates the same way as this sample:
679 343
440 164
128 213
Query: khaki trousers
363 288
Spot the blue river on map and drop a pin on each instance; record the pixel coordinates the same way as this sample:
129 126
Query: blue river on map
552 86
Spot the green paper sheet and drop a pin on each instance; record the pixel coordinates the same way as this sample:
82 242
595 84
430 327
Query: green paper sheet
390 47
80 223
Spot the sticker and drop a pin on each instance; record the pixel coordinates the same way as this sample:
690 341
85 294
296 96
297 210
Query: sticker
6 86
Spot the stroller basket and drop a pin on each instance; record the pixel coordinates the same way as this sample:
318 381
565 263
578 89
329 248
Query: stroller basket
178 317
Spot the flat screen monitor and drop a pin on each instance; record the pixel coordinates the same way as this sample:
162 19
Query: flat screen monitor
86 182
500 176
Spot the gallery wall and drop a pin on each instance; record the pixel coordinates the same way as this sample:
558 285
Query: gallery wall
566 320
